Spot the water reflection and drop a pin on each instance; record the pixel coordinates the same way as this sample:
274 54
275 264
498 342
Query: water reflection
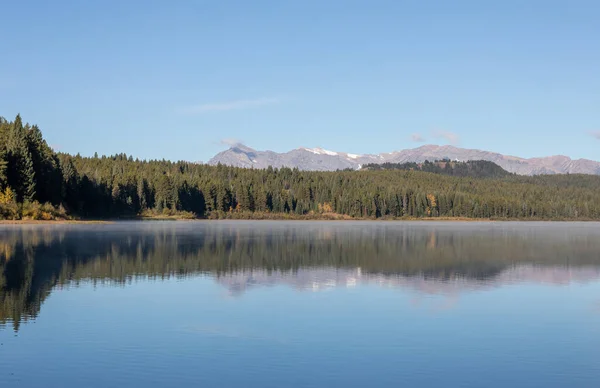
436 258
326 278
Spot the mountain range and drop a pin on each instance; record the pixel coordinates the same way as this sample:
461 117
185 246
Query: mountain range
319 159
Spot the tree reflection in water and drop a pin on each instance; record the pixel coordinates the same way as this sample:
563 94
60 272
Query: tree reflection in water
427 257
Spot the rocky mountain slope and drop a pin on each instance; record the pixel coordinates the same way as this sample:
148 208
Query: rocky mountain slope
318 159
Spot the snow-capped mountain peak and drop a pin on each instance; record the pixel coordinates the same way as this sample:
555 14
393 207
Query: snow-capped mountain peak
320 151
323 160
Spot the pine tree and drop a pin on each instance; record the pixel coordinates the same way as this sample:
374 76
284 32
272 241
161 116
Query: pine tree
45 166
28 178
260 201
3 165
243 199
20 172
164 193
70 183
142 193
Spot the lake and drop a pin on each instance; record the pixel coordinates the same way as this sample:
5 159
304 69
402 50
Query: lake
300 304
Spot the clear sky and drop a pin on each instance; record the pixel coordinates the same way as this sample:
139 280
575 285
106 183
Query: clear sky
178 79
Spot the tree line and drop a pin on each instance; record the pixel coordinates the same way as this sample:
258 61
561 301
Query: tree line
37 182
470 168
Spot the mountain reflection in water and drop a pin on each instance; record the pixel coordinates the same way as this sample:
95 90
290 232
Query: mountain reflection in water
428 258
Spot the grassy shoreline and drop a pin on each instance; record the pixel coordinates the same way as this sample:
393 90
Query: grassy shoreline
32 222
284 217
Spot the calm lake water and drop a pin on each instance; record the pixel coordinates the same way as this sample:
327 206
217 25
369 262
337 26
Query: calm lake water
300 304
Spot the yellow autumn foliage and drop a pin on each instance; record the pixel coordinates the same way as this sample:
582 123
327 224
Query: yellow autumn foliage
325 207
431 200
431 204
6 197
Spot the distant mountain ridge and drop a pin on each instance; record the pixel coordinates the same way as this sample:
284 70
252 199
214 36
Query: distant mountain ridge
470 168
319 159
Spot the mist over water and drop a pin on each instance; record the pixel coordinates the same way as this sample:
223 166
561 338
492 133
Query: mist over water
300 304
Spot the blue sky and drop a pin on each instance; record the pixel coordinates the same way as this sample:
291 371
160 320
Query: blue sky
176 80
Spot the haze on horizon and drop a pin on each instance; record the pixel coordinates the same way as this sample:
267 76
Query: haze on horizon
181 82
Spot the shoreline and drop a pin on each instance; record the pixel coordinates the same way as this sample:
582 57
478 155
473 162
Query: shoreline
34 222
295 219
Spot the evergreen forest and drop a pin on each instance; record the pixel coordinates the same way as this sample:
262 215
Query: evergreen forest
38 183
470 168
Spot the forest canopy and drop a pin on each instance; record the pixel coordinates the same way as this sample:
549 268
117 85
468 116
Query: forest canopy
470 168
38 183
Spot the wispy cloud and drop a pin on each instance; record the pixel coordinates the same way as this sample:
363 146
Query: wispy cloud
230 142
417 138
595 134
230 105
450 137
